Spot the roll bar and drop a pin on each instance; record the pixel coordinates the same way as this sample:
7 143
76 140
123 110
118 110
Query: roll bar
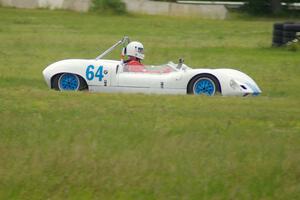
124 40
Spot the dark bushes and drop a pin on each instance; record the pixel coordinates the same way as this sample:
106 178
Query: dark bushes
109 6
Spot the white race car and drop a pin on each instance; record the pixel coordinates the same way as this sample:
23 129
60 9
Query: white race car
102 75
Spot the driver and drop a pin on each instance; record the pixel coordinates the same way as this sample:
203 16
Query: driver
135 53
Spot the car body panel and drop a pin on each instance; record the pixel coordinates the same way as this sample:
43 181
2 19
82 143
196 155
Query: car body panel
109 76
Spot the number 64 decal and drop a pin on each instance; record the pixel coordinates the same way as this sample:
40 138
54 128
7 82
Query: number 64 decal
90 73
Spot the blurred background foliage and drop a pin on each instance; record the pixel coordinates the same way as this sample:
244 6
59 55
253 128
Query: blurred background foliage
261 7
109 6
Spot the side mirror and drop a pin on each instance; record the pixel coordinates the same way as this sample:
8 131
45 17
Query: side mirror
180 63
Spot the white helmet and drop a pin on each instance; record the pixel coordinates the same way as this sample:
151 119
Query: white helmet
135 49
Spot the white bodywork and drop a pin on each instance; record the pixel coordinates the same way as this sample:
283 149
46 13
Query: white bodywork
111 76
232 82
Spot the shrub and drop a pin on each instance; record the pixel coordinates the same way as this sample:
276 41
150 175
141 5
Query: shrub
258 7
109 6
293 45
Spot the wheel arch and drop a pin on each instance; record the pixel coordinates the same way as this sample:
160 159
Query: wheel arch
57 75
203 74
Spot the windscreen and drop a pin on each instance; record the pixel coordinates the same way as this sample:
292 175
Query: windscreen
152 69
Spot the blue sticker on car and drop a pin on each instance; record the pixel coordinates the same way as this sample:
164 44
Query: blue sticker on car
90 73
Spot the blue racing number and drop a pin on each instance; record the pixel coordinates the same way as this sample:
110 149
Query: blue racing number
90 74
99 73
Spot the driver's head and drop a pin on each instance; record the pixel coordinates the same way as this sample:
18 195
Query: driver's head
135 49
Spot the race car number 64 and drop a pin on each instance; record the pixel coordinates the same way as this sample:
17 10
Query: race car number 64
90 73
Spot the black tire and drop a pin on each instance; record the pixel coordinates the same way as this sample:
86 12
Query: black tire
277 39
278 33
289 34
275 44
291 27
190 86
288 39
278 26
54 82
83 84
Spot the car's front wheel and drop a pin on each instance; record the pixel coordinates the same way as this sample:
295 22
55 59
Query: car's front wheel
69 82
204 84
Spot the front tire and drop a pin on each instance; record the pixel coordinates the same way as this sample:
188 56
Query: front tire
204 84
68 82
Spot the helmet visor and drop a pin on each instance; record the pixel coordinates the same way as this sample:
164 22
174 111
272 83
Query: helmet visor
140 50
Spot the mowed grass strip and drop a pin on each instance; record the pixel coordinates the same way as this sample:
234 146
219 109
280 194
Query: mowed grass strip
64 145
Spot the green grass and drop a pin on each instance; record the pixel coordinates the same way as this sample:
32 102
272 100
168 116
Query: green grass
64 145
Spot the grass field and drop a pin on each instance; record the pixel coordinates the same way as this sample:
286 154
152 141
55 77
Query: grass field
65 145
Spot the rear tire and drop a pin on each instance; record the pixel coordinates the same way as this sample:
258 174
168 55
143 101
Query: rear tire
277 33
278 26
277 39
204 84
284 32
292 27
289 34
288 39
68 82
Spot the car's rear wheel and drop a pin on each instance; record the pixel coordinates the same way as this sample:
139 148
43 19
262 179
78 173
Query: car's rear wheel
69 82
204 84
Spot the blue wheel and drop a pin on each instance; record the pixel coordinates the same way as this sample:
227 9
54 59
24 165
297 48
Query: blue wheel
204 84
69 82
